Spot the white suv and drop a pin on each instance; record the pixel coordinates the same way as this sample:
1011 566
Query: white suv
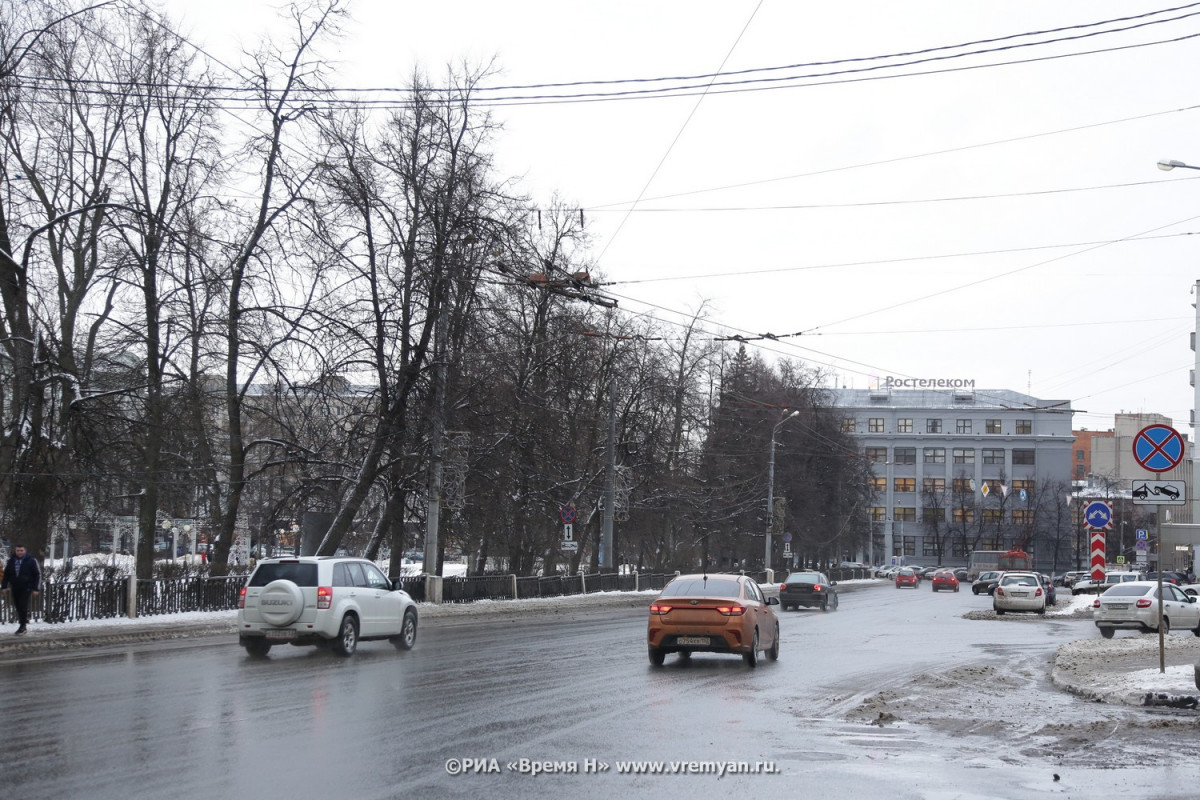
323 601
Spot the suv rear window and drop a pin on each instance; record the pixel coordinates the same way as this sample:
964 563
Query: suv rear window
298 573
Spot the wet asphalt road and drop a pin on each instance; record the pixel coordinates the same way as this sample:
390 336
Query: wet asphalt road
198 718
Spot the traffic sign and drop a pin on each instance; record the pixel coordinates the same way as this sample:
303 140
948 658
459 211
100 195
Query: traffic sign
1158 448
569 546
1098 515
1141 534
568 532
1159 493
567 514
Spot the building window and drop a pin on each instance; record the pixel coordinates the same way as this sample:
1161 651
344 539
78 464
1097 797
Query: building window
992 515
875 425
933 514
992 426
1079 473
1024 427
992 455
1027 485
961 486
1024 457
1079 455
933 426
963 515
1022 516
962 426
933 485
928 546
906 455
878 514
935 455
877 454
904 514
964 455
906 484
848 425
878 484
904 425
910 546
958 548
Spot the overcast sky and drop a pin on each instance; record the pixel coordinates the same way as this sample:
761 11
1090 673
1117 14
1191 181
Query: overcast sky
995 217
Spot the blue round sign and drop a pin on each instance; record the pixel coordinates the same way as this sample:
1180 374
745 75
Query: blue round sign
1098 514
1158 448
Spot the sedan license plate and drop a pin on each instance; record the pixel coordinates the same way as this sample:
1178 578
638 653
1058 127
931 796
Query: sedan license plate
284 634
693 640
1118 606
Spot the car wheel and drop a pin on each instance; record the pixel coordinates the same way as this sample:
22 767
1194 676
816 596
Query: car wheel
256 646
825 606
1042 610
999 611
1166 626
1107 633
656 656
408 632
956 588
773 653
347 641
751 658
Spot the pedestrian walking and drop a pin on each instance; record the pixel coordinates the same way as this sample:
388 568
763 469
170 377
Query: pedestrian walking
22 580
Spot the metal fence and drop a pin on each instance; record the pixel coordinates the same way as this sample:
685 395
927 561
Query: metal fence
105 598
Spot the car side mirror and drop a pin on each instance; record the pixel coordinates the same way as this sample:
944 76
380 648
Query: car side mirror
772 601
833 583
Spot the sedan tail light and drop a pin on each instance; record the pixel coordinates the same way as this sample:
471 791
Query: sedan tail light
1144 603
818 587
1038 593
324 596
242 598
731 611
1096 603
659 608
783 587
1000 591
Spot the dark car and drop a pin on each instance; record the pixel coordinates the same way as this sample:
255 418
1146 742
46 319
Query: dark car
808 589
986 582
1051 591
1177 578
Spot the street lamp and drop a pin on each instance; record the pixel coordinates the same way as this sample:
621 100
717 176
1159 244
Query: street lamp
1168 165
771 488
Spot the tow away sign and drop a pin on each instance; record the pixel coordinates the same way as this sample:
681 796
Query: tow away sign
1153 492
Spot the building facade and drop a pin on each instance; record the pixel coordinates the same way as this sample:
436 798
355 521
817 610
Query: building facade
960 469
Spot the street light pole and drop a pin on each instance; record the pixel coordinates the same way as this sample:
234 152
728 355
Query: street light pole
1168 165
771 489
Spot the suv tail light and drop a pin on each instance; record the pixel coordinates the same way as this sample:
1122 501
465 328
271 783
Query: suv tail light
324 596
242 598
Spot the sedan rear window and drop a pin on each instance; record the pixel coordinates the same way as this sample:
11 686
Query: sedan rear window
298 573
1122 590
803 577
699 587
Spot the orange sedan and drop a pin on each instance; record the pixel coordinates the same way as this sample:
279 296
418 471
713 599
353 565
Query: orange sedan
713 614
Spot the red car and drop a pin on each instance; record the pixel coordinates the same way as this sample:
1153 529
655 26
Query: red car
944 579
907 577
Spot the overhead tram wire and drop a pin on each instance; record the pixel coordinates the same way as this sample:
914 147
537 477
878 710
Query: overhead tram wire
331 97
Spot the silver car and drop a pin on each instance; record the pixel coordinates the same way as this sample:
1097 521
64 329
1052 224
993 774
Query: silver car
1019 591
334 602
1134 605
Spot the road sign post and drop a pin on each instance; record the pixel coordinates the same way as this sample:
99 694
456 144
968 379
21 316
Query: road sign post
1159 448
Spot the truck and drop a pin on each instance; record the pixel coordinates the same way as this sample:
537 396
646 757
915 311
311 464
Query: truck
1015 559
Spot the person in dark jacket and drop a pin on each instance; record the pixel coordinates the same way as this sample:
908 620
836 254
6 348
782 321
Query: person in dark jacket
22 580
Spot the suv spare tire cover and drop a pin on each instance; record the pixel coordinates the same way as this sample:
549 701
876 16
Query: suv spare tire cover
280 603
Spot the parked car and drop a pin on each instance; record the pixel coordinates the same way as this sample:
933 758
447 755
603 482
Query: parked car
1096 587
1051 590
334 602
716 613
1177 578
808 589
944 579
1134 605
907 576
986 582
1019 591
1069 578
963 575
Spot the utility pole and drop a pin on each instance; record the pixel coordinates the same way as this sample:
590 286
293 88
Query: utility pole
610 478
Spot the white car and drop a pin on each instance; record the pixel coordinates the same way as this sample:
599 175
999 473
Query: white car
1019 591
1088 586
1135 605
323 601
